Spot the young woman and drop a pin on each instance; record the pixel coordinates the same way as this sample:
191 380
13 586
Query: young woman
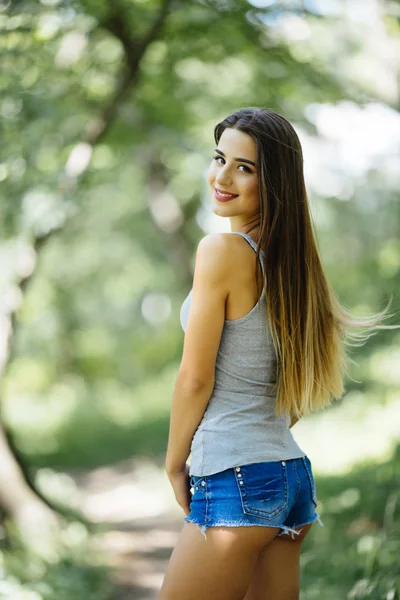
253 364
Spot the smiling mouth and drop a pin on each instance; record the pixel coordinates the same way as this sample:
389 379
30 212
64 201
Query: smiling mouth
224 195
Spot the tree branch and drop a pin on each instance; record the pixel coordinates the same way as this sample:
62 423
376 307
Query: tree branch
118 25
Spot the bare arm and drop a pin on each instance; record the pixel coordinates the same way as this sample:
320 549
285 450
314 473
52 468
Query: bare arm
195 381
188 406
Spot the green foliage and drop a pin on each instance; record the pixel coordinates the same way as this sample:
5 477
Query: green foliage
355 555
76 572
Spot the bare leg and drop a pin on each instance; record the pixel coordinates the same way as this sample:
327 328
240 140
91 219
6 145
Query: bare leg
277 572
217 568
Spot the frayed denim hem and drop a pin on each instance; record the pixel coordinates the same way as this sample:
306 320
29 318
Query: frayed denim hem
198 525
285 528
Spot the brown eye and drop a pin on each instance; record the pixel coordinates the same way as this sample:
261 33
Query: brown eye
244 166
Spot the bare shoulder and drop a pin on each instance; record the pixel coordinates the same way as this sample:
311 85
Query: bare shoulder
222 245
217 240
224 260
215 252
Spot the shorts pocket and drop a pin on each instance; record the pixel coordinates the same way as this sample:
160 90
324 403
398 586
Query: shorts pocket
198 484
307 465
263 488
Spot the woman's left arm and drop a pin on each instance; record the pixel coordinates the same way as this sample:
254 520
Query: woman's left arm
196 375
189 401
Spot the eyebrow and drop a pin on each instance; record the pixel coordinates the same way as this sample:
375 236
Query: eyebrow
245 160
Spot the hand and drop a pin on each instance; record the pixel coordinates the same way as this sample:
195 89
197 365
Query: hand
180 481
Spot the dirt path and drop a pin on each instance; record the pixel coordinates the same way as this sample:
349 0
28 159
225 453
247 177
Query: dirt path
134 499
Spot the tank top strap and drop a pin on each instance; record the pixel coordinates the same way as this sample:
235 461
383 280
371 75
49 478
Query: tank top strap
253 245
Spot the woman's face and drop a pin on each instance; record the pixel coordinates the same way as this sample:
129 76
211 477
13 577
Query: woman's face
233 171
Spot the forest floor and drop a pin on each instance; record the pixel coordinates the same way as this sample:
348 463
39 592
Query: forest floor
134 503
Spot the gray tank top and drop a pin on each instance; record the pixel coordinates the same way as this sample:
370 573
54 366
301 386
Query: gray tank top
239 425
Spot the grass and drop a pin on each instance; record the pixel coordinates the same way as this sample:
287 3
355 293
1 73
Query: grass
74 573
357 552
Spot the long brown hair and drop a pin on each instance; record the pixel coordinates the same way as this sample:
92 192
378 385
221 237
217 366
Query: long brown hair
309 326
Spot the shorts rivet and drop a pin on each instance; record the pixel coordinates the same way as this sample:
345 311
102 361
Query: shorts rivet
283 462
241 482
237 468
203 483
239 474
197 487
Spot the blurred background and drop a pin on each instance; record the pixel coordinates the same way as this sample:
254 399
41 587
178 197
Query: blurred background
107 116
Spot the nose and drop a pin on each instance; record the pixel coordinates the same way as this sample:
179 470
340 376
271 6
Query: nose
223 177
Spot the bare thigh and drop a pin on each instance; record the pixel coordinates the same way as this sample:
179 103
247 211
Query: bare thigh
217 568
276 575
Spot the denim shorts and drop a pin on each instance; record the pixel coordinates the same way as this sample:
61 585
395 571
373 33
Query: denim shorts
268 494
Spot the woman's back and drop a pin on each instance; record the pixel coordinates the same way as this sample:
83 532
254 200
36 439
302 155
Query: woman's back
239 425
